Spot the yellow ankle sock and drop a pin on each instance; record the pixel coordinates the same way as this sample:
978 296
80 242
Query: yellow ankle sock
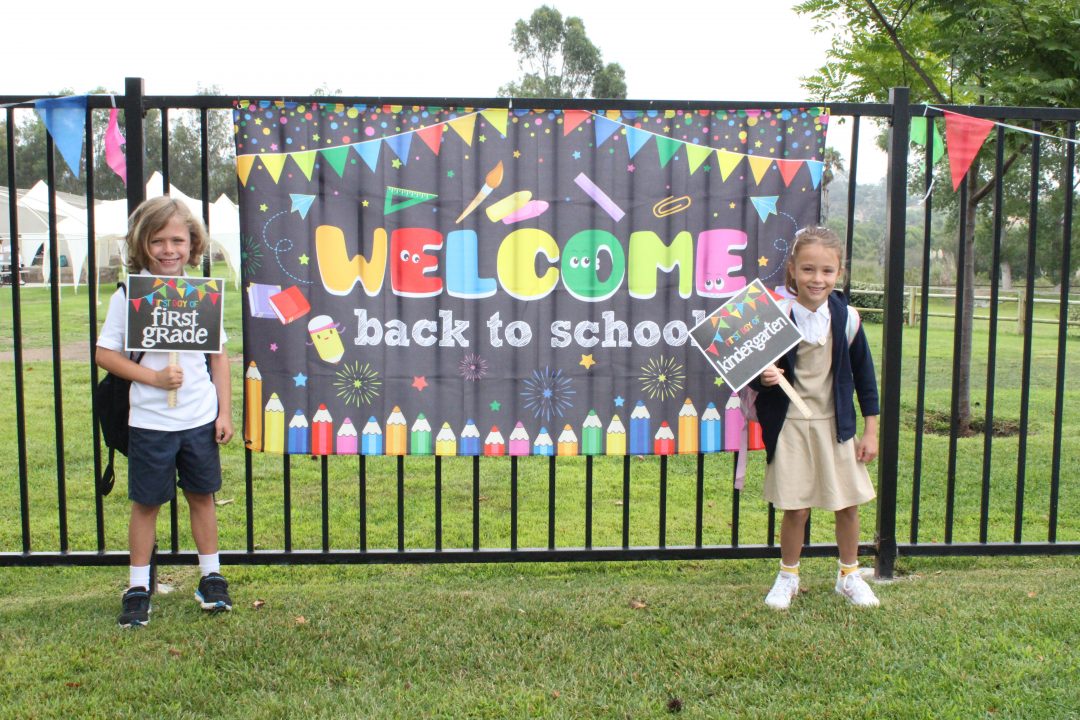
848 569
794 569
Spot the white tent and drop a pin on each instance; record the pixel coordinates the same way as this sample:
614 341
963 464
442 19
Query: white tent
70 231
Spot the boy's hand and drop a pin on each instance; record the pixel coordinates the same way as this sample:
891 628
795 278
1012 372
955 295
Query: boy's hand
169 377
223 430
771 376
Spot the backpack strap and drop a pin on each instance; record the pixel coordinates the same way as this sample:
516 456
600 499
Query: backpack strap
854 322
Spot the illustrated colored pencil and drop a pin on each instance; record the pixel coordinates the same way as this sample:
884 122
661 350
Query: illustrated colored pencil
519 440
299 436
253 404
322 432
446 441
346 438
274 425
664 441
397 433
568 442
754 440
592 435
470 439
733 423
494 445
712 438
543 445
371 438
616 437
420 436
640 433
688 429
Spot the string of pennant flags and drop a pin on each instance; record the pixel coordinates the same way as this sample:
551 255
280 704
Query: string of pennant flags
182 287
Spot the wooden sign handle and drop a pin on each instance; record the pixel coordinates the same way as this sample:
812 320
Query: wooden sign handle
174 359
794 397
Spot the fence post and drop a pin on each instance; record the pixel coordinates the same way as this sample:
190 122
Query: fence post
911 307
135 152
893 336
1021 313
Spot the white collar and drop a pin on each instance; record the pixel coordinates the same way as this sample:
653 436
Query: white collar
814 324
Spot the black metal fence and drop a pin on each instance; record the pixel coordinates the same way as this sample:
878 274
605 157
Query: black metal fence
957 495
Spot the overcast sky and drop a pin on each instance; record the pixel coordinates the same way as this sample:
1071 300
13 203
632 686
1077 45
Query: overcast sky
712 50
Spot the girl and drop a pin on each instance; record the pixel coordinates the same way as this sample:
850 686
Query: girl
163 237
818 462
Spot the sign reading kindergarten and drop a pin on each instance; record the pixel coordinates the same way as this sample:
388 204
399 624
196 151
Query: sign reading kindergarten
170 314
456 281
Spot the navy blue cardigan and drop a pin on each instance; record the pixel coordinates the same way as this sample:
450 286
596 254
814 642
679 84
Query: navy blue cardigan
853 373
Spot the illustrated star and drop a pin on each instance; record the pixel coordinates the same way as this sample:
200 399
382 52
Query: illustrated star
303 259
763 261
300 379
482 138
396 163
757 143
577 155
365 203
273 347
587 361
419 382
718 381
495 405
450 174
273 146
707 168
517 154
631 167
264 207
619 400
315 137
731 205
258 121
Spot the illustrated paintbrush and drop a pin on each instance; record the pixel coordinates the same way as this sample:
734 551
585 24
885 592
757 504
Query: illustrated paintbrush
491 181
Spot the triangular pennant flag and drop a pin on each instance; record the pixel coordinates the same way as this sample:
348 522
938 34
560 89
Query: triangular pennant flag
728 162
163 292
202 294
273 163
432 137
464 126
758 166
214 297
136 302
666 147
573 118
190 289
158 283
636 139
788 169
369 151
305 161
244 164
712 349
604 129
65 119
964 135
815 167
497 117
751 303
400 144
696 154
765 206
714 320
721 324
212 284
301 203
337 157
737 313
171 283
918 136
114 156
752 291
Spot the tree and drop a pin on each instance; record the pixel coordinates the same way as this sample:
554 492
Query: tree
834 163
996 52
560 61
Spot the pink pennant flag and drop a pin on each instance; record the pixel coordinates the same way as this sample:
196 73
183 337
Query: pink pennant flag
114 156
964 136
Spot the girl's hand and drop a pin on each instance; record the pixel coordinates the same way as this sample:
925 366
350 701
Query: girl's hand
867 447
771 376
169 377
223 429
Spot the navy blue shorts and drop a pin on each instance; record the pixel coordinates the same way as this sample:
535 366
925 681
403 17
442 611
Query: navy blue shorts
157 457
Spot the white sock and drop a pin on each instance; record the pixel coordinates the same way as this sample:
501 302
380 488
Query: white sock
209 564
138 576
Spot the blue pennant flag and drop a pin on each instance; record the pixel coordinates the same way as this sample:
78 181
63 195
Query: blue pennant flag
65 119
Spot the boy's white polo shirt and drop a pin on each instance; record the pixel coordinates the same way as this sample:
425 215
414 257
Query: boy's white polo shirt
196 399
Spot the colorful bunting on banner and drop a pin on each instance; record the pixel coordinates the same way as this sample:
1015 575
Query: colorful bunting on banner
965 136
758 166
114 156
604 127
65 119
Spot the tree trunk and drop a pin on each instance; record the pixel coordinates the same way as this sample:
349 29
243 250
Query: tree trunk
1006 277
963 388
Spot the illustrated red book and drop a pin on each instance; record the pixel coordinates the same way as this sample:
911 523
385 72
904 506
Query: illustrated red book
289 304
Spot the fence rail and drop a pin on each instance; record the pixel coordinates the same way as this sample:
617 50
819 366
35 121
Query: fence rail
368 512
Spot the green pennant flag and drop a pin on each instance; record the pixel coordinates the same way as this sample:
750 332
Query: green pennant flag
918 136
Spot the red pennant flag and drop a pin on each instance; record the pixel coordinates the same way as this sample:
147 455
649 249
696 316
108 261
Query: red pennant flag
571 119
432 137
171 283
713 350
136 302
788 168
964 136
214 297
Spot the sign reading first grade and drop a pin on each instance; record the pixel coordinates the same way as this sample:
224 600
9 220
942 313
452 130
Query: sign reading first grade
171 314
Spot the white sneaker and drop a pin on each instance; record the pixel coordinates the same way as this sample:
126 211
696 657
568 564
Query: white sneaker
854 588
783 590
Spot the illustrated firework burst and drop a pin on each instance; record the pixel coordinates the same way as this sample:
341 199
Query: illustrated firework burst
250 253
662 378
473 367
548 393
357 384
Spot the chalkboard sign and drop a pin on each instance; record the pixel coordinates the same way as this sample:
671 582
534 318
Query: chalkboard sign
171 314
745 335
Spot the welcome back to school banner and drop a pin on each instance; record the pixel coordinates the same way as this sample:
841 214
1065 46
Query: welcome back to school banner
463 281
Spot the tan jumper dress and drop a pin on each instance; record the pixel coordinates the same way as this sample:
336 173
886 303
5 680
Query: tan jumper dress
809 468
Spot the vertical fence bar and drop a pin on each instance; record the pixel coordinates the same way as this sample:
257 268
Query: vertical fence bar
551 503
58 378
626 501
286 486
700 493
588 501
325 509
924 309
991 343
959 323
476 502
663 501
362 499
135 142
513 502
771 542
174 535
401 503
16 331
438 503
1029 314
91 313
893 335
853 171
1063 331
204 177
166 174
735 496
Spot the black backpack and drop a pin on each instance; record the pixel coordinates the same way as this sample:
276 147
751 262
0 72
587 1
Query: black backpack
112 404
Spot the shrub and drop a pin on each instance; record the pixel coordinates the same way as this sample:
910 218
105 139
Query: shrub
870 297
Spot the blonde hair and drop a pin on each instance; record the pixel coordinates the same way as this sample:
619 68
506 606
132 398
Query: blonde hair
811 235
149 218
